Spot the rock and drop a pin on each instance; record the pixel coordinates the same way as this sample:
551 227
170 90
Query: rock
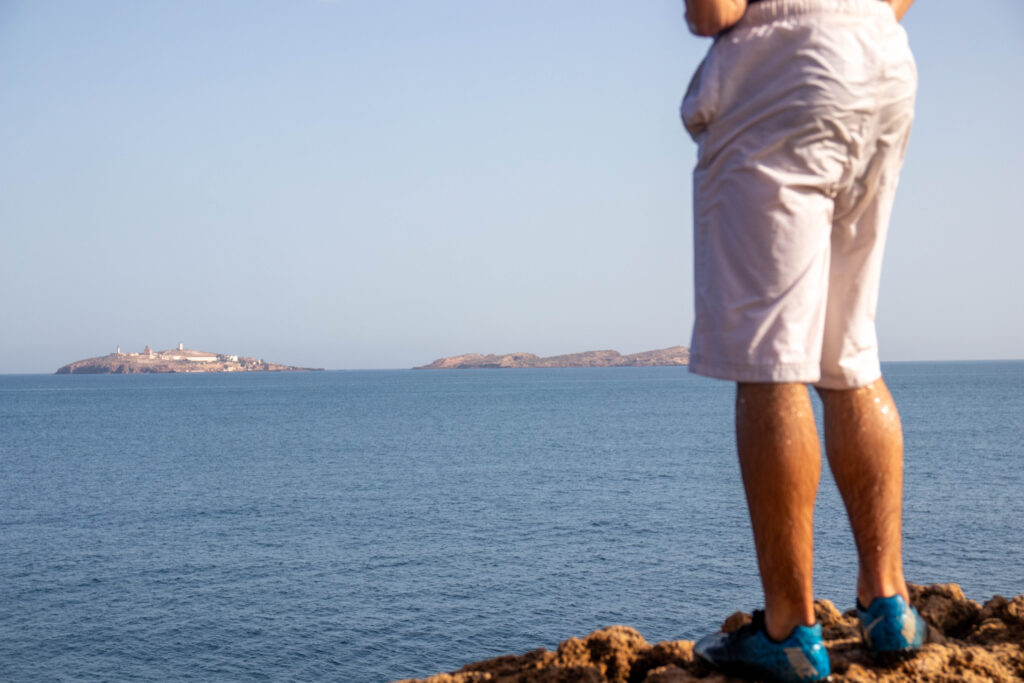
975 643
736 621
826 613
666 658
670 674
945 607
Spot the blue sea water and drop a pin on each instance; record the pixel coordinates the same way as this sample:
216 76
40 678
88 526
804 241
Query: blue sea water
369 526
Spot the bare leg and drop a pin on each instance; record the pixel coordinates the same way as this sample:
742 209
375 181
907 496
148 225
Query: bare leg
781 462
864 441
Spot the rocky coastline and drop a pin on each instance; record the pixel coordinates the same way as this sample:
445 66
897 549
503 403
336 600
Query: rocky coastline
179 360
675 355
967 642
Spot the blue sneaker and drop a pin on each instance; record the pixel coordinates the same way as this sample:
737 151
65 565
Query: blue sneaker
748 651
891 627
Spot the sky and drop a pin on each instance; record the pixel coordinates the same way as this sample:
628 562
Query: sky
356 184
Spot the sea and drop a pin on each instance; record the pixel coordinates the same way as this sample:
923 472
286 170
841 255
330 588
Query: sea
376 525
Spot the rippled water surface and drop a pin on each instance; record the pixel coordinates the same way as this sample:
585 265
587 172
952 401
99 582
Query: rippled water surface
367 526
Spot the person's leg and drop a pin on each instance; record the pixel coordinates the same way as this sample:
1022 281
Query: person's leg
864 442
780 461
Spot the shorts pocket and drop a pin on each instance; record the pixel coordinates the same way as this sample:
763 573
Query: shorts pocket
701 99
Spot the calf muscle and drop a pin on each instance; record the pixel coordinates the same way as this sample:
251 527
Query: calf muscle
864 443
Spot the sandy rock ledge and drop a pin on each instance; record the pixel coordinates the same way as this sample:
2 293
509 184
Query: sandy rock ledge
967 642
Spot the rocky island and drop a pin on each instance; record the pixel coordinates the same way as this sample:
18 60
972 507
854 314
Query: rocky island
674 355
172 360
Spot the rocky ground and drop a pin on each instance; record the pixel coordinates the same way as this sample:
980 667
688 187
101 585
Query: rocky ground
968 642
674 355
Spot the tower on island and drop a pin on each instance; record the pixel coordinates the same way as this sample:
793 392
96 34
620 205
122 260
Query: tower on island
181 347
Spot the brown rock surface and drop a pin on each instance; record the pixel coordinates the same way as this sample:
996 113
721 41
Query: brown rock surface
968 642
674 355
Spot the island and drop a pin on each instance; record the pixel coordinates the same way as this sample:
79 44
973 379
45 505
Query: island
172 360
674 355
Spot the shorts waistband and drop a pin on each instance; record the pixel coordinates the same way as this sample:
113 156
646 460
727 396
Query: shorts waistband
765 11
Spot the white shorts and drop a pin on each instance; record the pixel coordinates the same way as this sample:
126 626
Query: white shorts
801 113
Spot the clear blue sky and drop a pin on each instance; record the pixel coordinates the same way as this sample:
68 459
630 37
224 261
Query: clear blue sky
376 184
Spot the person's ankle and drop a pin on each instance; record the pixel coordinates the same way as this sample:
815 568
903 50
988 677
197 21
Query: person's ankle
882 589
779 627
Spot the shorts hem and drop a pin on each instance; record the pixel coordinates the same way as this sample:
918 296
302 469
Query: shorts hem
852 380
782 373
767 373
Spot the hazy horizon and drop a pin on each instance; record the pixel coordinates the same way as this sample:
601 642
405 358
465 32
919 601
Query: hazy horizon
426 362
375 186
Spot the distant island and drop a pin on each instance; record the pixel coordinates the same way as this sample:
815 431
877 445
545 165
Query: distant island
172 360
674 355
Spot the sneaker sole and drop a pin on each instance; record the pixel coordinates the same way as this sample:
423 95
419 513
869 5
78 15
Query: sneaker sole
746 671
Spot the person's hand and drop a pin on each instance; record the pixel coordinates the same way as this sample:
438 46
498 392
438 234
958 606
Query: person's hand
711 17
